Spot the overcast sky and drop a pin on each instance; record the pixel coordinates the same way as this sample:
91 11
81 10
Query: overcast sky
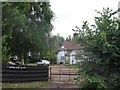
71 13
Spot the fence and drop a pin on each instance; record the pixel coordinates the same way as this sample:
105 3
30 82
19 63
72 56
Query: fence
24 73
62 74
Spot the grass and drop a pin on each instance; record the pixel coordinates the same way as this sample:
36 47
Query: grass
26 85
75 66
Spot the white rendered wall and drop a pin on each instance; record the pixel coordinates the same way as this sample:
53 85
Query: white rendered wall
72 57
59 55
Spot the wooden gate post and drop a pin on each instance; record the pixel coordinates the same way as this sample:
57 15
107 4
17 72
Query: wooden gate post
59 74
69 73
50 74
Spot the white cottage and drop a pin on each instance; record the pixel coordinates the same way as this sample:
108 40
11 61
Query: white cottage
67 53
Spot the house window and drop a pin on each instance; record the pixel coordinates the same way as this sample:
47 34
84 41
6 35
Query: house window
62 57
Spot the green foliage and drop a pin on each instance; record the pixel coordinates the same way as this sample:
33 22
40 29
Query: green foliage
0 49
100 52
55 43
26 28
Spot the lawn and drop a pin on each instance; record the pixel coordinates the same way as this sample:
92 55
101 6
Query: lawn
75 66
37 84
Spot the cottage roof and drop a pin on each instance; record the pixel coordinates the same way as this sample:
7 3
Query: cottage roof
69 45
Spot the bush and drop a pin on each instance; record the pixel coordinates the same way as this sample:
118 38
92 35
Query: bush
100 52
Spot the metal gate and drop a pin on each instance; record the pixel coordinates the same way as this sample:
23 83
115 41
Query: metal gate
62 74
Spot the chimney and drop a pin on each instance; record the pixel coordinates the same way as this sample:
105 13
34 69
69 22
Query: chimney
75 35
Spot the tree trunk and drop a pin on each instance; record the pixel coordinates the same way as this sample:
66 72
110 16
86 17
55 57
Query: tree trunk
22 60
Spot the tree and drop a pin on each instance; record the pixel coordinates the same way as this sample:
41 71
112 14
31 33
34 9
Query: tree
55 43
100 52
26 28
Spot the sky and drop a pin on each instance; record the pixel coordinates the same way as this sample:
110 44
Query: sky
71 13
